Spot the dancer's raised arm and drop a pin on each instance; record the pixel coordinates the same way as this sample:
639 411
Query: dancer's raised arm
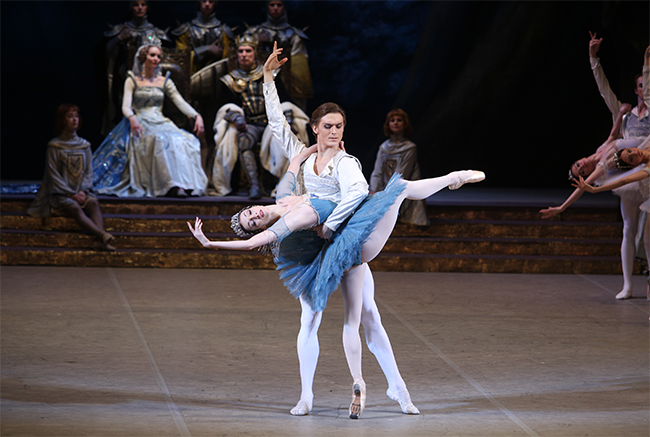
280 128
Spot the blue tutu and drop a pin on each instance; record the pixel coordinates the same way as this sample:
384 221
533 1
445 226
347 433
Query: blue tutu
312 268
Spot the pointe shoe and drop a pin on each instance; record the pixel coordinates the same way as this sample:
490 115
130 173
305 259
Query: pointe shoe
302 408
404 401
358 399
475 176
625 294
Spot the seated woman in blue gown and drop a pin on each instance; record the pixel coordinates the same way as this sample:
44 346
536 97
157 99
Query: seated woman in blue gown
146 154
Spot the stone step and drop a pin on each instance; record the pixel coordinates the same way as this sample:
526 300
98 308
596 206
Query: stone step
254 260
413 245
230 205
438 228
470 238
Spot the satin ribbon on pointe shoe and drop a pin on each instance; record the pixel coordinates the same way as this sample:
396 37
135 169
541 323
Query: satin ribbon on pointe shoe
358 399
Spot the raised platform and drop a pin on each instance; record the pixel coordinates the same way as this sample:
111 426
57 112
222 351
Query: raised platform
473 229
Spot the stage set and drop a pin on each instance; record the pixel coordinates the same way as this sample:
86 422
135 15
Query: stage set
502 321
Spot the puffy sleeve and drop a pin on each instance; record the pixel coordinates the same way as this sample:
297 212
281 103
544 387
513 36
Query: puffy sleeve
376 178
610 98
354 189
179 101
58 184
646 85
87 182
127 100
280 129
286 186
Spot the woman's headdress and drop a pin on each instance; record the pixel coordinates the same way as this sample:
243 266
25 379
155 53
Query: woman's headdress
149 41
237 227
620 164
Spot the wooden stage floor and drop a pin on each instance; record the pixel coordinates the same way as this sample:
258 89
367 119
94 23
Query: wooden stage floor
169 352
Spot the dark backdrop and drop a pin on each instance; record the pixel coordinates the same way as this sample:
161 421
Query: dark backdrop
504 87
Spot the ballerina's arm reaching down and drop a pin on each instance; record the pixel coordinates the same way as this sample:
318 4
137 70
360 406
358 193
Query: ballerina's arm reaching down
583 185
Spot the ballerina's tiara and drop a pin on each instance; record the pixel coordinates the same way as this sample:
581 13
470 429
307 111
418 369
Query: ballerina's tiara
237 227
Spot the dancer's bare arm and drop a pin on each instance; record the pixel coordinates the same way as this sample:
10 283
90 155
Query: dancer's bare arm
555 210
294 166
264 237
583 185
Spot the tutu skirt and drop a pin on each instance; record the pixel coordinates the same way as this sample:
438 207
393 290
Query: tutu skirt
312 268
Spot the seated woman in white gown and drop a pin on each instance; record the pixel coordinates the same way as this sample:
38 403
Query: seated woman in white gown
146 154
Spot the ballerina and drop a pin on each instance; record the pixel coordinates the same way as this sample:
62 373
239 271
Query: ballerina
311 271
628 159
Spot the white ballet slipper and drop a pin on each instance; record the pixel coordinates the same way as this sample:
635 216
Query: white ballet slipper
467 177
624 294
358 399
404 402
302 408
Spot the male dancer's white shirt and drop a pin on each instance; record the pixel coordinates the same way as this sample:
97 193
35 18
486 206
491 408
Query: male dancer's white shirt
342 180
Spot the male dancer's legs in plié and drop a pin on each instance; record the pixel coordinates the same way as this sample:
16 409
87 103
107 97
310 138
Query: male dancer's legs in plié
379 344
358 291
308 351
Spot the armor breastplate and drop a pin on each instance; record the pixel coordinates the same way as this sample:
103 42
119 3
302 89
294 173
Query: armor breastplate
203 36
248 86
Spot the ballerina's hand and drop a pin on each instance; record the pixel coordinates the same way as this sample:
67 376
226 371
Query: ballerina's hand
581 184
306 153
197 231
550 212
272 63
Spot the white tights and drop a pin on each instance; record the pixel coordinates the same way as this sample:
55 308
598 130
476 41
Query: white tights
630 213
358 290
415 190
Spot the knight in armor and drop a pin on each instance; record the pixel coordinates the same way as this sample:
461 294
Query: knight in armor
240 126
295 75
205 36
208 40
123 42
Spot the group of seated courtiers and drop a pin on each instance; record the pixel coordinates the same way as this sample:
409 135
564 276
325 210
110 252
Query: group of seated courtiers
146 154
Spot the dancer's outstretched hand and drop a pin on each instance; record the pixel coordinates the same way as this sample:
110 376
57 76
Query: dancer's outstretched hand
580 183
550 212
594 45
272 63
197 231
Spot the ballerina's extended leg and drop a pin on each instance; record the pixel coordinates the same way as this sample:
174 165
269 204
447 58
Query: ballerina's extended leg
415 190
